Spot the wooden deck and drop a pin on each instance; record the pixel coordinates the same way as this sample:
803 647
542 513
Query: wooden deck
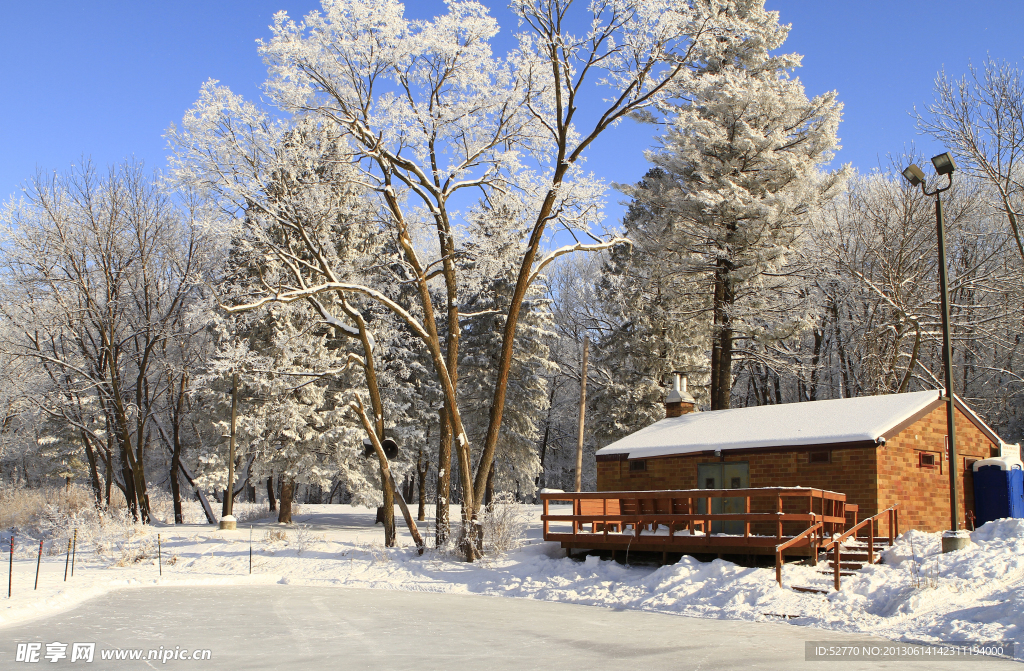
677 521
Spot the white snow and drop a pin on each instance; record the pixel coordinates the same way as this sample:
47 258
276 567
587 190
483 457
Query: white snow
1004 463
919 594
842 420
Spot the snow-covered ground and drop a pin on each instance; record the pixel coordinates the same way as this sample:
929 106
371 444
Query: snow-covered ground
919 594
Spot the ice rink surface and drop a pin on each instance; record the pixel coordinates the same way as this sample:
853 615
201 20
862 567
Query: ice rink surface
300 627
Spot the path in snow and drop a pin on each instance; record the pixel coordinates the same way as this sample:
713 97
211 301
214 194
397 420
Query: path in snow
292 627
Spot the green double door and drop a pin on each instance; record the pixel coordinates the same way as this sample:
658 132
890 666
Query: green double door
735 475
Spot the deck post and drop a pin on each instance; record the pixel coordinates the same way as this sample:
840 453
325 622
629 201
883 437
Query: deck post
871 543
891 511
545 516
707 522
778 567
778 509
746 529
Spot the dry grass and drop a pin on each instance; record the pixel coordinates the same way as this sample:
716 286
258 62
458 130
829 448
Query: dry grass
275 536
504 523
29 508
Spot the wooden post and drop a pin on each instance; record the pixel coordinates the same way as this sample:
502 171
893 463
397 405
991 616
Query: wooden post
778 509
778 567
891 511
545 518
707 521
39 559
837 555
746 526
583 414
871 543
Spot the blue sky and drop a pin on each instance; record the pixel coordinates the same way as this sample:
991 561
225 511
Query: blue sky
106 79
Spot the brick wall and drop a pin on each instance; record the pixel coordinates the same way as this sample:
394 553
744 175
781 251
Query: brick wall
851 471
923 492
871 478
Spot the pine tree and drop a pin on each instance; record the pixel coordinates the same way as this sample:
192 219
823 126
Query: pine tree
741 160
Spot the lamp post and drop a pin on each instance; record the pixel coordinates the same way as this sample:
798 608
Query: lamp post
944 165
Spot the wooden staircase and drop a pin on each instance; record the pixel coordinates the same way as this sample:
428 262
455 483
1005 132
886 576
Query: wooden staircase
854 555
848 553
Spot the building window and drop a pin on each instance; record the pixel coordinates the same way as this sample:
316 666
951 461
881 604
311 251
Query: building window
819 458
638 465
928 460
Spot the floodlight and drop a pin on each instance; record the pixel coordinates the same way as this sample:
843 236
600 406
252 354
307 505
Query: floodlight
944 163
914 175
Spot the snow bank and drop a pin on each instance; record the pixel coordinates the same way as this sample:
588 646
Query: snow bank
919 594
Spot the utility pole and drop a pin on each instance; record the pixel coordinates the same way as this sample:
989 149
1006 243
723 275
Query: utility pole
583 416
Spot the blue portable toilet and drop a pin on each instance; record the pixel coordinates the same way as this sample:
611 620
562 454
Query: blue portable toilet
998 489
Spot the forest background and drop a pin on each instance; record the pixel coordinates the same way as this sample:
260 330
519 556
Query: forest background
291 243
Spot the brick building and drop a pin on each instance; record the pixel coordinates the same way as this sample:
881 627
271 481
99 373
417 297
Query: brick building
878 450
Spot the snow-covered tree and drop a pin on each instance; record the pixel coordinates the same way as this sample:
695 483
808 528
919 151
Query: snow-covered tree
742 157
428 112
490 250
100 271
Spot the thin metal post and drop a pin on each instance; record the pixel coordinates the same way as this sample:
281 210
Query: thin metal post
67 561
39 560
250 549
159 555
947 366
74 546
10 571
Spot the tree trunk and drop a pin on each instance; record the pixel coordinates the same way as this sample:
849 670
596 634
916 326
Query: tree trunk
287 491
388 510
129 484
179 515
422 466
542 480
583 417
489 489
270 493
721 378
716 345
444 481
93 470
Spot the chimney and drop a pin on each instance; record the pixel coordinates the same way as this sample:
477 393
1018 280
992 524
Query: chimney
679 402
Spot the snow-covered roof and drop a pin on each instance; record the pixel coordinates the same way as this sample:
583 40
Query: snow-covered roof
844 420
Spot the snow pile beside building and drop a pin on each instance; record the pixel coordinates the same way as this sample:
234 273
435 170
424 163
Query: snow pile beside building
919 594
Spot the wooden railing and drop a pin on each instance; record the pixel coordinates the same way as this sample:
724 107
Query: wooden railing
836 544
780 549
824 513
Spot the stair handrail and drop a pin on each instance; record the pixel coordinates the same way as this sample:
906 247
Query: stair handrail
781 547
836 544
856 527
